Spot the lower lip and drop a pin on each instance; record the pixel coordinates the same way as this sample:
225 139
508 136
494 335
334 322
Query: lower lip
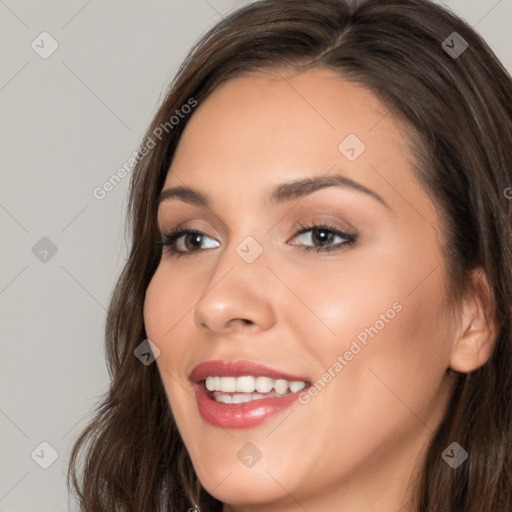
244 415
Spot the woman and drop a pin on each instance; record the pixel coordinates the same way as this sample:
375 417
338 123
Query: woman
322 261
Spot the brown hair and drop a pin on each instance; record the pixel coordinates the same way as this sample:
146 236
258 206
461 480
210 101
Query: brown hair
460 111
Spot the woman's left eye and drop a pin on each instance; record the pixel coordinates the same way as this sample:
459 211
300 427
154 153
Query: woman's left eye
325 237
320 238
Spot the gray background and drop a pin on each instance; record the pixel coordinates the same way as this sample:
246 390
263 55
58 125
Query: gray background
68 123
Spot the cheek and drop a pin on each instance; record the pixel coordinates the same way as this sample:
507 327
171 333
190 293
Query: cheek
390 326
394 347
154 306
168 301
166 315
166 311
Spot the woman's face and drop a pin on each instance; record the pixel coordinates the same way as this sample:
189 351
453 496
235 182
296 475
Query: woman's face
360 317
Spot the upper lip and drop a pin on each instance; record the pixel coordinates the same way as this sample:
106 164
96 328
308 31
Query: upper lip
220 368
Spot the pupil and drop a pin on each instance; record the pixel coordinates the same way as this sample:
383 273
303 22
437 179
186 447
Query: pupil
195 238
323 236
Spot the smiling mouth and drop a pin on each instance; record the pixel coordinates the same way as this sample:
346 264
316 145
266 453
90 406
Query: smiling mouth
243 394
246 388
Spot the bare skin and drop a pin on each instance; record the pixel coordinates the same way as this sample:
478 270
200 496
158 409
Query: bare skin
358 443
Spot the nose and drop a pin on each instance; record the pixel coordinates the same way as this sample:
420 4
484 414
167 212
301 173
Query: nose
237 296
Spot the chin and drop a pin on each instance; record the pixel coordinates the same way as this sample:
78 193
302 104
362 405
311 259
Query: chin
226 476
243 487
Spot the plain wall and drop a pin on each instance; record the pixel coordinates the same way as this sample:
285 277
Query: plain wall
68 122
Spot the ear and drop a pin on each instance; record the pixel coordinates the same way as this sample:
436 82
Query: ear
478 330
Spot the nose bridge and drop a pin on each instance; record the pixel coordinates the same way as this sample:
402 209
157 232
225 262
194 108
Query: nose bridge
237 291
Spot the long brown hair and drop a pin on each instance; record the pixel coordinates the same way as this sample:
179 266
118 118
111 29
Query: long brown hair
459 108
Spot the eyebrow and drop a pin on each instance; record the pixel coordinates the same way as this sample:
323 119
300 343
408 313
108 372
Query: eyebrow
282 193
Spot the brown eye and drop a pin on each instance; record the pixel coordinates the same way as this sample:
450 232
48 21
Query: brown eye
323 238
186 241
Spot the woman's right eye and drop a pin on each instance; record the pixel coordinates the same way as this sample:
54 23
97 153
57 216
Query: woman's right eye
182 241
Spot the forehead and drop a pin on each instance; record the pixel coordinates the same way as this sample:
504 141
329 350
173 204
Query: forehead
256 131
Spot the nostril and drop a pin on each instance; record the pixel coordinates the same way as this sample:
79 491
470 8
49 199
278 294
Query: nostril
243 321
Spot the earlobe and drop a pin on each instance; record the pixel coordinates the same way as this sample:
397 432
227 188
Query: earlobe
477 331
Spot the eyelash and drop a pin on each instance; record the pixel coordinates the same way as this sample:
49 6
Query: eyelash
349 238
168 239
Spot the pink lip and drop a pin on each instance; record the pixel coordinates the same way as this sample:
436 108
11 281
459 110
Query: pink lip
244 415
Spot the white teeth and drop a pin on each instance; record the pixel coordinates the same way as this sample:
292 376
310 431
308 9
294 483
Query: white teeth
281 386
228 384
264 384
210 383
297 385
246 385
225 399
240 398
